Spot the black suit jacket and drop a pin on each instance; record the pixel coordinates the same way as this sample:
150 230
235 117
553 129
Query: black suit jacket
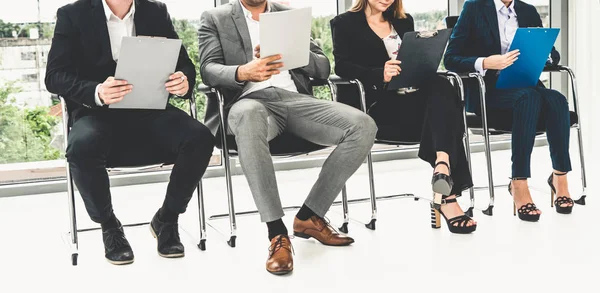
81 58
360 54
476 34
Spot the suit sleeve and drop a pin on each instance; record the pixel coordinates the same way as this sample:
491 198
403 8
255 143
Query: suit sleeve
318 66
213 70
62 76
184 63
344 65
555 55
456 58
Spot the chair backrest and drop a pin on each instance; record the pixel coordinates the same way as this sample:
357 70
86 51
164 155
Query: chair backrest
451 21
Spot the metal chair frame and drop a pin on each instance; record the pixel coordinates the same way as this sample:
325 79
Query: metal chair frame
73 239
226 161
373 198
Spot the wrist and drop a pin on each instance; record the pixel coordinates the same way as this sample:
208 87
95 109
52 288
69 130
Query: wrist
239 74
484 63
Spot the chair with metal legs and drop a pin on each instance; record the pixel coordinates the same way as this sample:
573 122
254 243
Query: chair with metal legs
457 82
140 164
483 125
285 145
479 125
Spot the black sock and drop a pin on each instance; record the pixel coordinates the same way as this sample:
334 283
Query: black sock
276 228
167 216
305 213
112 222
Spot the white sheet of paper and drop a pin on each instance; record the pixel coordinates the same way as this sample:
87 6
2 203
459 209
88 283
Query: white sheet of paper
146 63
287 33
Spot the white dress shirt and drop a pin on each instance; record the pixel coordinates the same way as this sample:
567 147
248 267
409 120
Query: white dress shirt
508 25
282 80
117 29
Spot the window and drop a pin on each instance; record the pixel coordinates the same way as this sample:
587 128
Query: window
30 133
30 77
543 8
27 56
428 15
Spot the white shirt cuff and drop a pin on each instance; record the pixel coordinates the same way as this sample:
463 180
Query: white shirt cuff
479 66
97 96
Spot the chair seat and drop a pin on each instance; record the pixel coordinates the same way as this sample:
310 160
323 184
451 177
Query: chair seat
286 144
501 122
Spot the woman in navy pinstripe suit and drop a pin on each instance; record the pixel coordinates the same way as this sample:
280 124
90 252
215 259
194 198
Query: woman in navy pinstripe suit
480 42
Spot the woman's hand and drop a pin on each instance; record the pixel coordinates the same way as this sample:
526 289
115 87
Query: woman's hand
391 69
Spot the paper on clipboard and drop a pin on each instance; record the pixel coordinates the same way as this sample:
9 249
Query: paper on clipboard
287 33
146 63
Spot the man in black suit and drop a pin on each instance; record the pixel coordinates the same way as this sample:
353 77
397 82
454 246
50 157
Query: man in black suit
81 65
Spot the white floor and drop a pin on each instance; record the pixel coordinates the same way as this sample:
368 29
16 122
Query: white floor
404 254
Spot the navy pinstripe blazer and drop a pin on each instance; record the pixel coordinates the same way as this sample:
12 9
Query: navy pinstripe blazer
477 34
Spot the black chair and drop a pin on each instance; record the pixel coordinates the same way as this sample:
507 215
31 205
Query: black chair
501 123
385 139
285 145
133 158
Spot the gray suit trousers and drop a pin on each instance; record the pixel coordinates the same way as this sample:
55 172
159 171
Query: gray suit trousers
263 115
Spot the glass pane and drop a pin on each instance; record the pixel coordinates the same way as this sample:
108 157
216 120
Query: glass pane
428 15
30 117
543 8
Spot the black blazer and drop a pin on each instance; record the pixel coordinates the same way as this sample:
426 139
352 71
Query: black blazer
360 54
476 34
81 58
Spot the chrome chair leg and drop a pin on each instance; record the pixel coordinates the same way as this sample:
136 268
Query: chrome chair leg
201 216
486 135
581 200
226 163
73 238
466 140
363 105
371 224
344 227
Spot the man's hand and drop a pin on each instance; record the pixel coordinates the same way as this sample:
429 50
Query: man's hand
257 51
391 69
500 62
178 84
259 70
112 91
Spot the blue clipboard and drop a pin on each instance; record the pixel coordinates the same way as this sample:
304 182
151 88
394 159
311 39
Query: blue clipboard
535 45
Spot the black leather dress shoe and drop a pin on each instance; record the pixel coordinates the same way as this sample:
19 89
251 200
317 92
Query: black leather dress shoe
116 247
167 236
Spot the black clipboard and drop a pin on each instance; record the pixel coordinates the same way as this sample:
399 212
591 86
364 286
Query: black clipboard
421 54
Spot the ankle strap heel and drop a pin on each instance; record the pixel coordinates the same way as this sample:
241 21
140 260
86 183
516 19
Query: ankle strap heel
560 200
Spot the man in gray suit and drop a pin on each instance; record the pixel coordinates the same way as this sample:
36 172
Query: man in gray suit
263 102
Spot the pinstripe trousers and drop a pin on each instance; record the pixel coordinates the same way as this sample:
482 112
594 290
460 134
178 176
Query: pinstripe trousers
534 109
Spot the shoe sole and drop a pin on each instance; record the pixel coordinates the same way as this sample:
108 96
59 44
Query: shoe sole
281 273
175 255
119 263
306 236
442 187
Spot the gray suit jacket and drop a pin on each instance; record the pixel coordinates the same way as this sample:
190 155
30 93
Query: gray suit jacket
225 44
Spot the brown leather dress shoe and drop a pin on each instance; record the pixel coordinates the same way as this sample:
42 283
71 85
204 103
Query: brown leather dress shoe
280 260
321 230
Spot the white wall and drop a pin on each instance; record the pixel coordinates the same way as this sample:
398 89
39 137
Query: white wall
584 23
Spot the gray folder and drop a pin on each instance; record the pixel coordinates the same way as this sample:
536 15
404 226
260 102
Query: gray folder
146 63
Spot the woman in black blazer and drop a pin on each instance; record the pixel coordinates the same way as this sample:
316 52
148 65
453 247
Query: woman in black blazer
365 44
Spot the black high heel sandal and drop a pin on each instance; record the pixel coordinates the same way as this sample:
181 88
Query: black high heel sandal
460 221
560 200
441 184
525 209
